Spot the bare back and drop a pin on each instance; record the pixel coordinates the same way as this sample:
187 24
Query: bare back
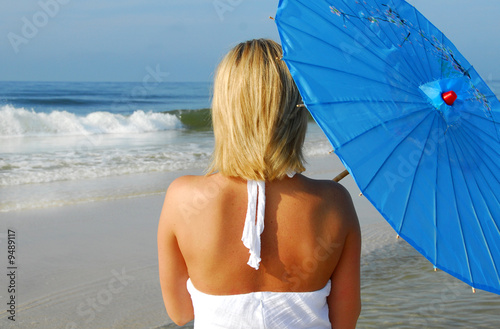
311 235
305 230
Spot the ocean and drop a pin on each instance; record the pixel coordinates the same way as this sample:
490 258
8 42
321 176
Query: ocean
57 139
75 143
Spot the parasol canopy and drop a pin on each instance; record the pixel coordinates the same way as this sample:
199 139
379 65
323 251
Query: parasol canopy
411 120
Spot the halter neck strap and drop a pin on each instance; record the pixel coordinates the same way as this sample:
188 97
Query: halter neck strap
254 221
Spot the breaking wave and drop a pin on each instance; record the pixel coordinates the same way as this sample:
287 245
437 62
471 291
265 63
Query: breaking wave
23 122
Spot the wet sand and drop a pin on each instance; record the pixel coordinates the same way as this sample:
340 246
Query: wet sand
94 265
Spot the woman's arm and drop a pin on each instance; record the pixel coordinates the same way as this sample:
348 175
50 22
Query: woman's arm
344 300
172 267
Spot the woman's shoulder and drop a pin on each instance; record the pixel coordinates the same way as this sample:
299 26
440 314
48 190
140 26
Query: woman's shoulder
178 187
327 189
191 183
187 198
185 181
334 198
194 190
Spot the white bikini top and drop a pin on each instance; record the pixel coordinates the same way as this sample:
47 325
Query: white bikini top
263 309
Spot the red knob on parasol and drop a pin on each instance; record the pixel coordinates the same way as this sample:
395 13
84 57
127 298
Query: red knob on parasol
449 97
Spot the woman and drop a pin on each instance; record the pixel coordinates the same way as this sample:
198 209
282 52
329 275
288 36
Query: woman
254 243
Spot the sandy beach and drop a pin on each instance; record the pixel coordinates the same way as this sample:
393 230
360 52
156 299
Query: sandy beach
94 265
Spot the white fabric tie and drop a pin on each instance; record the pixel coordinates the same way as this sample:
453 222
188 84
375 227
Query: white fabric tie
254 221
253 228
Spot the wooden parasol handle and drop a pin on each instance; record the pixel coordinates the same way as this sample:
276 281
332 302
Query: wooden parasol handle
341 175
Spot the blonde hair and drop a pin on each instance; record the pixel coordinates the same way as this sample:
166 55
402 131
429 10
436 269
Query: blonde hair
259 130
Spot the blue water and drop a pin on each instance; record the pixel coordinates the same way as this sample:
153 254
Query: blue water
82 98
64 143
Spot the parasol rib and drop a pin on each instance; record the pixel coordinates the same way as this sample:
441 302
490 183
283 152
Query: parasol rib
385 161
435 210
403 117
484 117
491 113
415 175
474 206
445 164
486 155
423 43
484 176
354 75
462 236
465 142
443 74
381 121
491 188
364 101
491 96
481 131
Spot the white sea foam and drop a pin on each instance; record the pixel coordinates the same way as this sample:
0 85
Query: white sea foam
36 168
316 143
318 147
47 166
50 178
24 122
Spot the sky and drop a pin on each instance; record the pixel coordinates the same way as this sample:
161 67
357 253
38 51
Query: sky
183 40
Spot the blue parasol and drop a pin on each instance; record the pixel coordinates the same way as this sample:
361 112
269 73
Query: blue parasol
411 120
